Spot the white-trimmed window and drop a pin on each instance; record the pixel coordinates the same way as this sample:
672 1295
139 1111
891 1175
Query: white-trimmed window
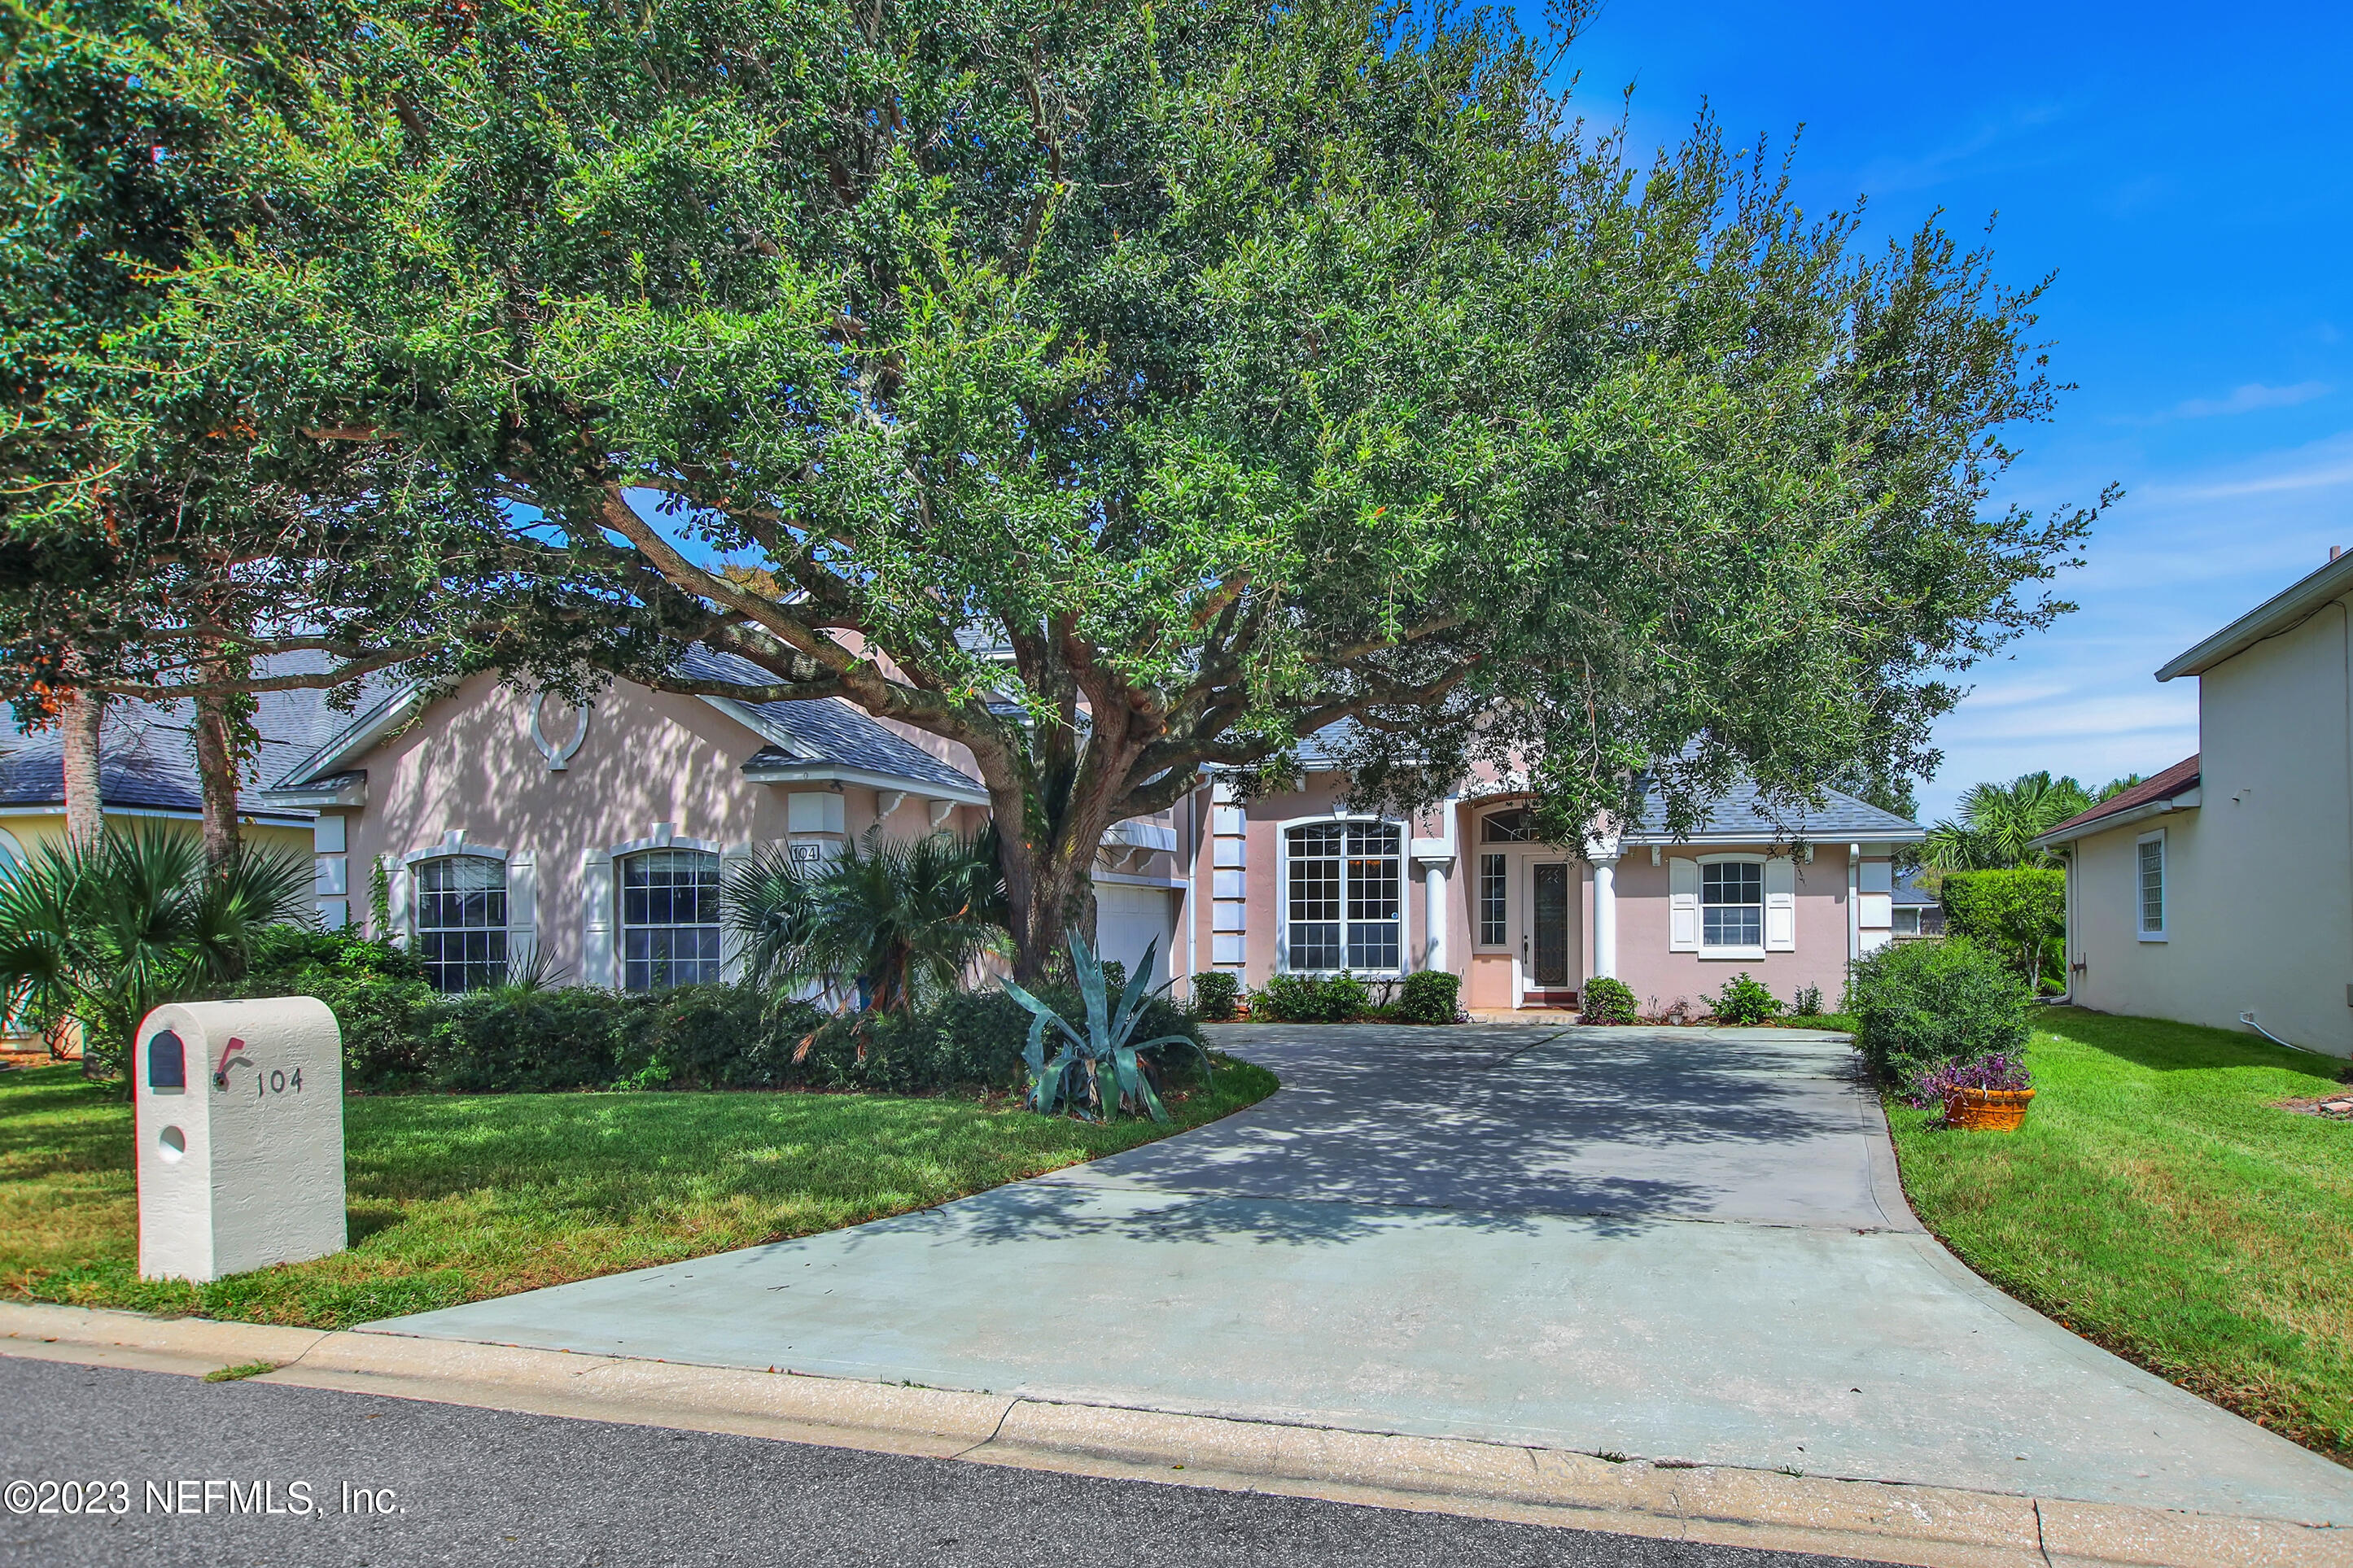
670 918
1346 900
1494 901
1732 904
2148 885
462 920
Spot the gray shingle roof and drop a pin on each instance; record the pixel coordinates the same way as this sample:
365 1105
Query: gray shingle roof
147 751
1738 813
828 730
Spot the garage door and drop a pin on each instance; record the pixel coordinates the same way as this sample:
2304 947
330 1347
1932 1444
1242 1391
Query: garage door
1127 919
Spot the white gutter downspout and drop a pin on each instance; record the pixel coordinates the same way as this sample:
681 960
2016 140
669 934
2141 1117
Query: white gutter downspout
1193 891
1853 903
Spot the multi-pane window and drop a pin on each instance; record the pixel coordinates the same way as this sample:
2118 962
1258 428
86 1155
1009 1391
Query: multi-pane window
2152 886
670 918
1495 931
1732 904
1346 896
462 920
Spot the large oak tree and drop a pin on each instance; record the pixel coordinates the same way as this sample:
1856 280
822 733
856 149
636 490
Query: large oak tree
1123 389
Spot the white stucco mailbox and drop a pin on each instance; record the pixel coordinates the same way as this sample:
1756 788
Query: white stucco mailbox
240 1129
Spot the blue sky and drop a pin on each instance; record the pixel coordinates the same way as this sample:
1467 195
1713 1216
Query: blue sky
2188 173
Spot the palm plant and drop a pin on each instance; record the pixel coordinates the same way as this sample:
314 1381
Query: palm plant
1999 822
885 925
1097 1069
101 931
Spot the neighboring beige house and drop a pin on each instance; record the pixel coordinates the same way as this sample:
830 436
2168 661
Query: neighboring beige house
503 822
148 773
2221 891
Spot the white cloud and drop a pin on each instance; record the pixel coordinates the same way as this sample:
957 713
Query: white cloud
2250 397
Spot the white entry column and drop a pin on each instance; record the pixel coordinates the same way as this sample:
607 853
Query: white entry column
1605 915
1434 869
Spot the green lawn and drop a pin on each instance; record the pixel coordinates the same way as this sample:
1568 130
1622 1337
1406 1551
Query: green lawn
454 1199
2159 1203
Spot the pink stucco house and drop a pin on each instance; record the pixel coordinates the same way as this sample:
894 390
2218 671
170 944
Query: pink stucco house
501 823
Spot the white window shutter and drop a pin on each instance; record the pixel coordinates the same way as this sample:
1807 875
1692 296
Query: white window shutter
732 859
396 876
1682 904
522 908
597 921
1780 905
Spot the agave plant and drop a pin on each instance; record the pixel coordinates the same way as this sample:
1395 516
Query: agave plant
1094 1070
102 931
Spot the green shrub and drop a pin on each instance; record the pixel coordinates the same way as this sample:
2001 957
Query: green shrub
718 1036
2020 914
505 1040
1806 1002
1745 1001
1429 996
1215 992
1920 1005
1304 999
376 991
1607 1001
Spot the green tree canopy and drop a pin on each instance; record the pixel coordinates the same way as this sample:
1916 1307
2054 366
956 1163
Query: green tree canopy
1122 391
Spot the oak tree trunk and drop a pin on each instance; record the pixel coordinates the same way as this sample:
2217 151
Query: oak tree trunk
216 769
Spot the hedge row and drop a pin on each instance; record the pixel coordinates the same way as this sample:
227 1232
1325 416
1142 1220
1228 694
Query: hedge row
400 1035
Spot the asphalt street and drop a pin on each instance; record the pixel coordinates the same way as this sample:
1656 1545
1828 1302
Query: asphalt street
388 1483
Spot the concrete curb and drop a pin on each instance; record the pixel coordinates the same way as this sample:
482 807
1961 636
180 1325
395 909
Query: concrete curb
1930 1526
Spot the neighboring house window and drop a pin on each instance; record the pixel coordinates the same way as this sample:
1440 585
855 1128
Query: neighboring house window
2152 886
670 918
1495 931
1732 903
1346 897
461 922
1919 919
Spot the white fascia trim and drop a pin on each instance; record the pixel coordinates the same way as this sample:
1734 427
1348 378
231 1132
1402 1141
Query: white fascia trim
2186 800
168 814
2283 609
819 773
356 739
1130 879
354 794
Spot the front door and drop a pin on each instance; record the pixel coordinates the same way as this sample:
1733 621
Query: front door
1549 915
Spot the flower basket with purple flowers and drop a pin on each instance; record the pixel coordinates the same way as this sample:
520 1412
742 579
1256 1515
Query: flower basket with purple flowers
1987 1095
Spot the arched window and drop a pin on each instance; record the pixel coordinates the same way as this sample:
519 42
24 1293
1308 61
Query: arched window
462 920
1515 824
1345 899
670 918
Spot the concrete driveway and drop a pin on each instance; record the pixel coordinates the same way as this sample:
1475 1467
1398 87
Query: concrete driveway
1675 1245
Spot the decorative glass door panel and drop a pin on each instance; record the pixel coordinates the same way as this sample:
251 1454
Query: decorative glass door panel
1549 969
